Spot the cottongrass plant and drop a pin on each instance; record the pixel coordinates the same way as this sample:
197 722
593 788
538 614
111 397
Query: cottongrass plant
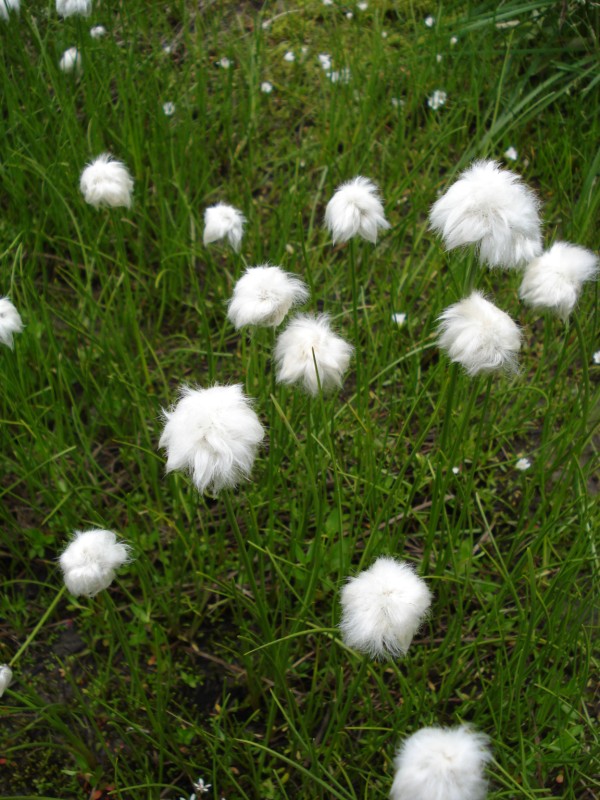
554 280
442 764
310 354
355 210
214 434
90 561
70 61
71 8
10 322
8 6
6 676
479 336
106 182
493 209
264 295
224 222
383 608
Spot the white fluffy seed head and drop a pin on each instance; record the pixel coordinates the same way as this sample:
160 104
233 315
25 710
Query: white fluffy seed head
264 295
6 6
224 222
442 764
355 208
555 279
309 340
70 8
493 209
6 673
479 336
90 561
383 608
70 61
106 182
10 321
213 434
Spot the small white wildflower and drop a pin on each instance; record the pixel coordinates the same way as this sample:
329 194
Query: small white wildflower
224 62
264 295
168 49
90 561
439 58
349 15
200 787
6 6
362 6
266 87
265 24
10 322
224 222
429 21
304 49
398 102
511 154
289 56
98 31
106 182
340 75
523 464
456 470
596 357
70 61
437 99
399 318
325 60
384 34
355 209
453 40
70 8
6 673
168 109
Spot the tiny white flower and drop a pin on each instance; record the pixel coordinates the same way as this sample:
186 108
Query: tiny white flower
106 182
168 49
6 6
202 788
362 6
90 561
266 87
224 222
355 208
289 57
168 109
441 764
523 464
479 336
383 608
265 24
224 62
10 322
349 15
340 75
429 21
437 99
384 34
214 435
456 470
511 154
304 49
70 8
264 295
453 40
399 318
98 31
6 673
439 58
596 357
308 341
70 61
325 60
398 102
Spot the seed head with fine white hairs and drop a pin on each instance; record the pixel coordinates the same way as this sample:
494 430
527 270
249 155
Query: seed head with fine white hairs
70 61
91 560
10 322
493 209
554 280
355 209
383 608
106 182
213 434
308 341
224 222
6 6
6 673
71 8
441 764
479 336
264 295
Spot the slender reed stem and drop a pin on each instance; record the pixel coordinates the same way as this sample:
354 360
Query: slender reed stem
39 625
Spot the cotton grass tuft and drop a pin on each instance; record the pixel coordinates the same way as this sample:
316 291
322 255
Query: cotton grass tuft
264 295
10 322
224 222
355 209
90 561
71 8
106 182
6 673
8 6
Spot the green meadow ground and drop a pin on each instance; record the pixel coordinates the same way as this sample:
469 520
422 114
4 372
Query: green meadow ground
216 652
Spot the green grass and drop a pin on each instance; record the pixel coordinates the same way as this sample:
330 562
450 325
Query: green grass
216 653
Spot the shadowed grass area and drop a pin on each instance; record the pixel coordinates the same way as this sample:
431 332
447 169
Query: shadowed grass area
216 653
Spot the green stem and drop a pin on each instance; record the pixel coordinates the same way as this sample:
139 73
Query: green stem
41 622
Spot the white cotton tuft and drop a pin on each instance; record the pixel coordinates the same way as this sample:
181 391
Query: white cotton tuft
383 608
90 561
442 764
555 279
98 31
264 295
70 8
6 6
493 209
479 336
70 61
307 341
213 434
106 182
10 322
6 673
355 208
224 222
